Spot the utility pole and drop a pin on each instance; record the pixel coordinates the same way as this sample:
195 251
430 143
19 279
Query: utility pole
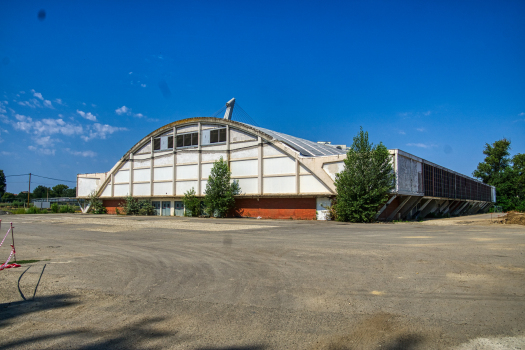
29 191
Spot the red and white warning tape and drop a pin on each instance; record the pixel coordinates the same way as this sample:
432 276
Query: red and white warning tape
6 265
5 236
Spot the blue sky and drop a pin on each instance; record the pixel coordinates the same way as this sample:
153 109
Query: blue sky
81 86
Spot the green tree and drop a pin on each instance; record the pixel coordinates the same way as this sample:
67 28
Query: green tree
365 182
220 191
192 203
95 204
8 197
131 206
70 192
41 191
3 185
505 173
58 190
496 160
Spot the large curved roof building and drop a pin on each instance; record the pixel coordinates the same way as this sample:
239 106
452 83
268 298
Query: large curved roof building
280 176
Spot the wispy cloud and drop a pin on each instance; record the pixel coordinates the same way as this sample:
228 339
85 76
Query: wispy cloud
420 129
143 85
127 111
427 113
521 114
87 116
37 94
59 101
421 145
45 151
101 131
48 104
402 132
45 126
81 153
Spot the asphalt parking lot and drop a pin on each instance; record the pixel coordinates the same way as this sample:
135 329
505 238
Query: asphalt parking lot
189 283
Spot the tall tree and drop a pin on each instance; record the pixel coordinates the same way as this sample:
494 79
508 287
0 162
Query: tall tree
41 191
2 183
220 191
365 182
496 160
59 190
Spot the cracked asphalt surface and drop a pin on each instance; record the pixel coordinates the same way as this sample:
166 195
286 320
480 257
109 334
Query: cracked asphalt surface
190 283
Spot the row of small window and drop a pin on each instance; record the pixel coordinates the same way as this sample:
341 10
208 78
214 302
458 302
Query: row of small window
187 140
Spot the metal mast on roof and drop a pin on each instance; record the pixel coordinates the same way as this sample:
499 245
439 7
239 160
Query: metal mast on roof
229 109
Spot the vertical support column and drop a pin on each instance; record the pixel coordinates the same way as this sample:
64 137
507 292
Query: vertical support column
174 163
260 168
396 170
199 161
228 158
131 166
297 178
112 185
151 168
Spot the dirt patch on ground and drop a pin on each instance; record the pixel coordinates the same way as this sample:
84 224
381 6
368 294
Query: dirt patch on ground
512 218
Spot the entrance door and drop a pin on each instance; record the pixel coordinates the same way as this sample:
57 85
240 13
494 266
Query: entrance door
156 205
166 208
179 208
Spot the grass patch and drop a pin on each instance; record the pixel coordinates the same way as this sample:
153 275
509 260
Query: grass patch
29 261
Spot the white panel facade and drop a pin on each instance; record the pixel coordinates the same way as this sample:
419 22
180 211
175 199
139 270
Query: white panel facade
162 174
310 184
107 191
164 160
245 153
203 186
145 149
141 163
239 136
333 168
281 184
86 186
125 166
188 128
163 188
408 176
269 150
248 186
141 190
122 176
303 170
213 157
140 175
206 169
276 166
187 172
187 157
184 186
121 190
244 167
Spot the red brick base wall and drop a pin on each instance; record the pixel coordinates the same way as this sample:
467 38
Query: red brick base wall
111 205
276 208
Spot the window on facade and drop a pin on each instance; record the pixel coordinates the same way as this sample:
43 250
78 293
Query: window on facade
186 140
163 143
218 135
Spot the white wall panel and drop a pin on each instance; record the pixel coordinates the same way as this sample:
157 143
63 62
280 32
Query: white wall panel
187 172
121 190
269 150
164 160
239 136
145 149
164 173
248 186
245 153
184 186
203 186
333 168
276 166
244 167
212 157
141 163
163 188
243 145
281 184
107 191
86 186
187 128
310 184
141 190
122 176
187 157
141 175
206 169
125 166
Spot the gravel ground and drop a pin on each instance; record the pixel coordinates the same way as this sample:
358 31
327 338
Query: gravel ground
181 283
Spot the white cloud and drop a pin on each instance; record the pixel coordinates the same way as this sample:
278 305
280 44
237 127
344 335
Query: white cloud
402 132
46 151
81 153
45 126
2 108
93 105
123 110
37 94
521 114
143 85
59 101
87 116
130 73
421 145
427 113
5 153
420 129
138 115
101 131
48 104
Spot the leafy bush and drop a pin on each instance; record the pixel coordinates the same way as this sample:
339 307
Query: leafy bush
19 211
131 206
17 204
96 204
365 182
192 203
55 208
220 192
66 209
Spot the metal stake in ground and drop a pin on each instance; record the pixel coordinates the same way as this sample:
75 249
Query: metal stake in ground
13 238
